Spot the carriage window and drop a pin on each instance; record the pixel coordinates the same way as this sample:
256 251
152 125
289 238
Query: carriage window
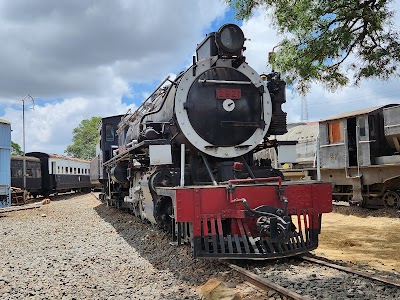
79 170
74 170
58 169
29 173
109 133
362 127
371 123
16 172
335 132
70 170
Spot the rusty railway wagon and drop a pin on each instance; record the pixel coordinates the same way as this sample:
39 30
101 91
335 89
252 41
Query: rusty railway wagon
184 160
359 154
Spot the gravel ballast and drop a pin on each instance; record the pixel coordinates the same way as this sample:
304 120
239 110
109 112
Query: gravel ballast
314 281
78 248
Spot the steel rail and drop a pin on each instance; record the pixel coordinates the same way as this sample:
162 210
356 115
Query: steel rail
350 270
264 283
22 207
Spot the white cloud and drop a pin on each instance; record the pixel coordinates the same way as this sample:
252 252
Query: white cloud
49 128
57 48
87 55
263 38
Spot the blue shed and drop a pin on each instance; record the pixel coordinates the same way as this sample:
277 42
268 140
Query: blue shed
5 158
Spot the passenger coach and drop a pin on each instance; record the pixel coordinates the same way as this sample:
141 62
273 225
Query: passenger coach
62 173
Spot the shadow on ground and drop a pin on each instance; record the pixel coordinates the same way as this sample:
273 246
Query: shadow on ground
365 212
154 245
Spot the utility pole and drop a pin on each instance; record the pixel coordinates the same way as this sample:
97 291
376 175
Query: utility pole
23 140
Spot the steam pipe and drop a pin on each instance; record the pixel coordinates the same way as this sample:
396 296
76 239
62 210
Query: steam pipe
182 165
214 182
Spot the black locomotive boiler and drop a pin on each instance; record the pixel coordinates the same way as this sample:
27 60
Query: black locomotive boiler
184 160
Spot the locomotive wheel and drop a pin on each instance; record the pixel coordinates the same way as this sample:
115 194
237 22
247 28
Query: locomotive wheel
370 202
350 200
336 198
364 202
141 209
164 214
391 199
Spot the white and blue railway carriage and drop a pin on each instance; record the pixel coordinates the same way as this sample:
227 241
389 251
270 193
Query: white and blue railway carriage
62 173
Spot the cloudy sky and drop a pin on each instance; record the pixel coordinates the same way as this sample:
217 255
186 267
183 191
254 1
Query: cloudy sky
80 59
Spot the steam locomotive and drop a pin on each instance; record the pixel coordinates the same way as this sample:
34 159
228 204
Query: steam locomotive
184 160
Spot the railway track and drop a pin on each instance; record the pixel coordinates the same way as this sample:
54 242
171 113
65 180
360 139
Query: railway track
332 264
308 277
264 283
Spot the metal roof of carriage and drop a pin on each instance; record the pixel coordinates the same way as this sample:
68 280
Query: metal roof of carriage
4 121
27 158
49 155
355 113
300 131
68 158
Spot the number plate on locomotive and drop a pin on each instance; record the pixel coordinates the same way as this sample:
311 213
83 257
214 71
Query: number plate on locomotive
228 93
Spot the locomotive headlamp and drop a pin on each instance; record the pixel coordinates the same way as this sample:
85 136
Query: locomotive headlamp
263 77
230 40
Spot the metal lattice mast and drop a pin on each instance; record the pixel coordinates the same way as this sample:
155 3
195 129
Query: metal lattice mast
304 109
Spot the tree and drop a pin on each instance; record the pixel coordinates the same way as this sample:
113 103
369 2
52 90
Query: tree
84 139
331 42
16 149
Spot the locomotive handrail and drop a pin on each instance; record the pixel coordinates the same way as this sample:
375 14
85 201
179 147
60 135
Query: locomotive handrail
122 124
224 81
390 126
127 151
366 142
165 95
332 145
250 180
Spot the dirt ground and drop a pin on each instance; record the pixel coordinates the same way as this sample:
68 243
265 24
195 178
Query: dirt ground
362 238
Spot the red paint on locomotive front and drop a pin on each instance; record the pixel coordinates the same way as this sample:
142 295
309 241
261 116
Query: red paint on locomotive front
194 203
